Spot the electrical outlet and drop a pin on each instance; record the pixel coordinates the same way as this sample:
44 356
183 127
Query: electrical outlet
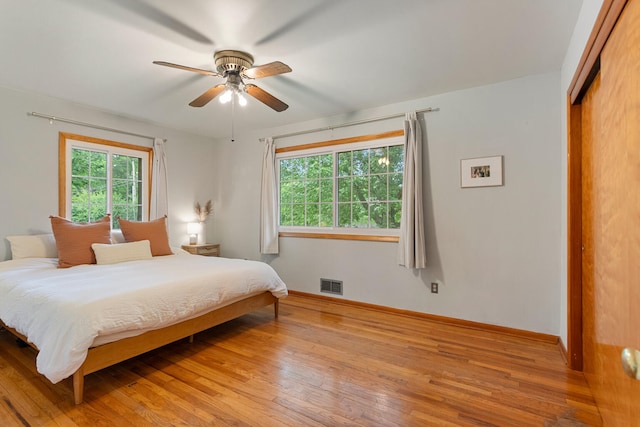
434 287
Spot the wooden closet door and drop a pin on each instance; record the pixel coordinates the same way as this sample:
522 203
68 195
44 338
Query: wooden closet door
611 221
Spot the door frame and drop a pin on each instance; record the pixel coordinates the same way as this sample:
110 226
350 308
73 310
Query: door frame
587 69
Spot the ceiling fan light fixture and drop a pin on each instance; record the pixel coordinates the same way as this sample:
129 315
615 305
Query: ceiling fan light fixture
242 100
226 96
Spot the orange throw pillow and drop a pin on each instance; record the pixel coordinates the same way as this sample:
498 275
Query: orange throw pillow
154 231
74 239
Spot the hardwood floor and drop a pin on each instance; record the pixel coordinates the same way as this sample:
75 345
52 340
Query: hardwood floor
318 364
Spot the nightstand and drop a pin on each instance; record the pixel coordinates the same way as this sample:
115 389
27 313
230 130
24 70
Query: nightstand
206 249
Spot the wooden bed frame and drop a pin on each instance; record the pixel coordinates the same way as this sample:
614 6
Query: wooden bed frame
109 354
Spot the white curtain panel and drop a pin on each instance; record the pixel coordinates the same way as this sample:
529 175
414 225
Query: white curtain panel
269 201
159 181
411 247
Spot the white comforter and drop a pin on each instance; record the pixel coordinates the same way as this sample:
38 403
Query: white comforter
63 311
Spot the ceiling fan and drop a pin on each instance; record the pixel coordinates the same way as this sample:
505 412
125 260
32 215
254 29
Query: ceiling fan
235 66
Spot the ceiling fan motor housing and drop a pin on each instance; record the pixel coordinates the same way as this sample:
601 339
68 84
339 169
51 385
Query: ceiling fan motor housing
232 61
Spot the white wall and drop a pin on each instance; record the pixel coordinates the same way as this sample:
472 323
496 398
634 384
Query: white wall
29 163
581 32
495 250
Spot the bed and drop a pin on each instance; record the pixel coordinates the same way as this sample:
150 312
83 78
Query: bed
89 317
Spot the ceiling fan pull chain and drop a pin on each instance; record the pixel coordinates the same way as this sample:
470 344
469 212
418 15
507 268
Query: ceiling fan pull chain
233 114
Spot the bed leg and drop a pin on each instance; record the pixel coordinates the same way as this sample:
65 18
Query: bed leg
275 308
78 386
191 339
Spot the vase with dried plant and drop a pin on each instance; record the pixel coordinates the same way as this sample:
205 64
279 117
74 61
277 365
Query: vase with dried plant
202 214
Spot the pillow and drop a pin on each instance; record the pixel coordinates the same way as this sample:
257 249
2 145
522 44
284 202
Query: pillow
120 252
117 237
154 231
74 240
34 246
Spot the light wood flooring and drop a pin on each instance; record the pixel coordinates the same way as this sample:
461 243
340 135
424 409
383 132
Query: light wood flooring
318 364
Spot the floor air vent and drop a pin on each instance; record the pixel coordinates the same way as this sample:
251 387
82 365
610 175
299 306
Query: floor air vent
331 286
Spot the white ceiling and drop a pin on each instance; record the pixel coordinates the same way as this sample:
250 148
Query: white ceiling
346 55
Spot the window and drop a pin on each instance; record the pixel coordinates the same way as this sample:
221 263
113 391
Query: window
348 188
370 187
306 191
99 177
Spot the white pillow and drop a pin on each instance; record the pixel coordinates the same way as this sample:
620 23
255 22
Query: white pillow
121 252
34 246
117 237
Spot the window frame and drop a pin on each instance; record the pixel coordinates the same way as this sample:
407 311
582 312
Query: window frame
67 141
332 146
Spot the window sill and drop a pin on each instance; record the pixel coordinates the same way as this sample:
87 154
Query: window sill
361 237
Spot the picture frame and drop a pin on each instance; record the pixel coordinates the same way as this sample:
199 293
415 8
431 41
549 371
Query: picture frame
481 172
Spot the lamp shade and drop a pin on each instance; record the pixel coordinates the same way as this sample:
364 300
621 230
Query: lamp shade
193 228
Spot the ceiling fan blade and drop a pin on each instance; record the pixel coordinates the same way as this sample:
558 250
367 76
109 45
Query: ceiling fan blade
266 98
266 70
183 67
204 99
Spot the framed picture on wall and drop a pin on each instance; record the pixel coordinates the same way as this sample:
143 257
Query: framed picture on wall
481 172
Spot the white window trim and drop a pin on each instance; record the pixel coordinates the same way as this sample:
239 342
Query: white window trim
330 149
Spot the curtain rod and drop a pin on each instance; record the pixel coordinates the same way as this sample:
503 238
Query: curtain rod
89 125
359 122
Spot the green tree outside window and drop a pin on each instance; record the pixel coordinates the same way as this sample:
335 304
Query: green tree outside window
367 186
90 189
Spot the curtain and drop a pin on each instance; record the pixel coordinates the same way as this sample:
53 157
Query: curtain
269 201
159 182
411 247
